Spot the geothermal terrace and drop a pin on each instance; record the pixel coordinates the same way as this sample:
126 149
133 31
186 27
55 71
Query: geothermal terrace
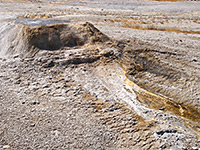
99 74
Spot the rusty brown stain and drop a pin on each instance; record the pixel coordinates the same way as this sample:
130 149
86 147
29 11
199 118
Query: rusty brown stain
156 102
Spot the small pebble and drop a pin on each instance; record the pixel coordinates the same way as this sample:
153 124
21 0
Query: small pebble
6 146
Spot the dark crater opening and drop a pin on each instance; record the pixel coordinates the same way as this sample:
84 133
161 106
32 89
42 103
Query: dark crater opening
71 40
54 37
47 41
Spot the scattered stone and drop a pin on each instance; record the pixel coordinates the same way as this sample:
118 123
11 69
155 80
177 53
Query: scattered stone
46 86
166 131
32 125
58 98
49 64
194 60
35 103
6 147
18 81
106 52
34 87
162 108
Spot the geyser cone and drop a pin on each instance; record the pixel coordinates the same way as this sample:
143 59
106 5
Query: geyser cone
26 40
